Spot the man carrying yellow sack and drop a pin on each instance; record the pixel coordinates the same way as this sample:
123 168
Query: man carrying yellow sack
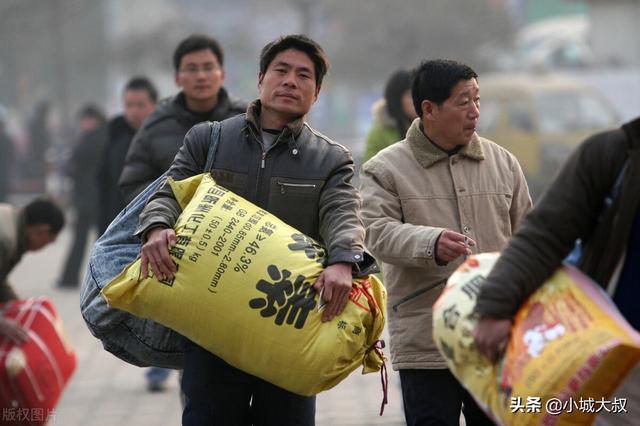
272 158
595 198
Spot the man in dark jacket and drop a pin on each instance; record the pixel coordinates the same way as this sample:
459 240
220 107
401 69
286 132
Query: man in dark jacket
575 206
82 170
28 229
139 100
271 157
198 62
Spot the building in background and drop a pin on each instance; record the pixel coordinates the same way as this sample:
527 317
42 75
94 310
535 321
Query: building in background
73 51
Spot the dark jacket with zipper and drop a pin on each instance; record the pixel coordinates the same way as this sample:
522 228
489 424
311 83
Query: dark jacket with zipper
304 178
158 140
572 207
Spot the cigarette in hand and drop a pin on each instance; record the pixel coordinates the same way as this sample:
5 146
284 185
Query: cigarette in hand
466 246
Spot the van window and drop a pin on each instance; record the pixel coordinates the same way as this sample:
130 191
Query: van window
571 111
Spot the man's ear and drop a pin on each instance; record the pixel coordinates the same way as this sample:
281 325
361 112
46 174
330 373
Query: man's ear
260 78
318 87
175 79
428 110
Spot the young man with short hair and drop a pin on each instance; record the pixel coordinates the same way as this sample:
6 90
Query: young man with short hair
198 62
139 99
258 155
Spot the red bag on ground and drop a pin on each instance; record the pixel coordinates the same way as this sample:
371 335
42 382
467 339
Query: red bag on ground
33 374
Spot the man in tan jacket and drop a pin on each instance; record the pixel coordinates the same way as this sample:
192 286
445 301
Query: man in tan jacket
430 200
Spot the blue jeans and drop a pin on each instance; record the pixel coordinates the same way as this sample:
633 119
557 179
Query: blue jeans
219 394
434 398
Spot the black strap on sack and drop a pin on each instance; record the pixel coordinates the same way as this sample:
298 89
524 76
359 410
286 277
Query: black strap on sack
213 145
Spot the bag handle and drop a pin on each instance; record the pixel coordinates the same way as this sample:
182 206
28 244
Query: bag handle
213 145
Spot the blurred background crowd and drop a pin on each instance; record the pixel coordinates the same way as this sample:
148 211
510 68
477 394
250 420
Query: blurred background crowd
59 55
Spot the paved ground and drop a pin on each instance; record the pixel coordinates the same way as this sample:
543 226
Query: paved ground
105 391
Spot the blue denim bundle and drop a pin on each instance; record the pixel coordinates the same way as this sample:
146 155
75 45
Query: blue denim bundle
138 341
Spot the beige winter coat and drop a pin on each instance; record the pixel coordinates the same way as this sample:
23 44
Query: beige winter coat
412 191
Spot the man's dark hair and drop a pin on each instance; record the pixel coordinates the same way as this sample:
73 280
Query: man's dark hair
194 43
91 111
433 81
44 211
298 42
143 83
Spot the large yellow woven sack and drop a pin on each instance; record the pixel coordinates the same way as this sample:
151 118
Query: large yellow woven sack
243 290
569 349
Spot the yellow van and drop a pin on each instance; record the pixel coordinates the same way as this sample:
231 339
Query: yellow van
540 119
